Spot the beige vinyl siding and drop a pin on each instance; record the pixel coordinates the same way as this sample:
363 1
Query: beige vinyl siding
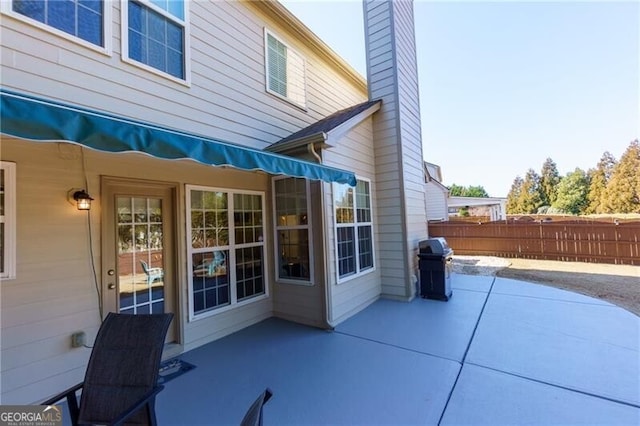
301 302
54 295
398 147
352 152
227 98
436 202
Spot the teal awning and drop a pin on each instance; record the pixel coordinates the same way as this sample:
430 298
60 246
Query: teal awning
37 119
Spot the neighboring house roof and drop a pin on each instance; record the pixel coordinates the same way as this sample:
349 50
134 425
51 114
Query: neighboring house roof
328 129
475 201
433 175
433 170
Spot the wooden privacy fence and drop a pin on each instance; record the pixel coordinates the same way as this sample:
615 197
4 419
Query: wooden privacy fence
577 242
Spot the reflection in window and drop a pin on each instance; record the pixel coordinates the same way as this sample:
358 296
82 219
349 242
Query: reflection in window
80 18
292 229
156 35
140 255
354 229
226 247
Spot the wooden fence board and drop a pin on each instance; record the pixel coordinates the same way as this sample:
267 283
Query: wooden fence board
578 242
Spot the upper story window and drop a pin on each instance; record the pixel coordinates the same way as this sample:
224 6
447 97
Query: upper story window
354 229
226 249
293 229
156 35
285 71
82 19
7 220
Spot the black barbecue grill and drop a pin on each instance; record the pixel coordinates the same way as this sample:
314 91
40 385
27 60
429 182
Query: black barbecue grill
435 268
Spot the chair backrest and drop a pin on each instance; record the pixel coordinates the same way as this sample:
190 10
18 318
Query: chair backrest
123 366
253 416
145 267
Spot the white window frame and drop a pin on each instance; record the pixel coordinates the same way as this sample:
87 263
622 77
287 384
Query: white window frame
9 220
6 7
124 36
308 227
302 105
231 248
359 272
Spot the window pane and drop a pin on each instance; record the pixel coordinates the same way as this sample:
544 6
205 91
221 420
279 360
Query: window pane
293 247
210 280
34 9
365 247
363 201
94 5
79 18
89 26
277 65
61 14
159 42
346 252
344 203
249 272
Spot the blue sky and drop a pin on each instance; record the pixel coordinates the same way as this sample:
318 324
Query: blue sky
505 84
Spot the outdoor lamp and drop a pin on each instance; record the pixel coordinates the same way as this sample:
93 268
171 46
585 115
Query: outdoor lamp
82 199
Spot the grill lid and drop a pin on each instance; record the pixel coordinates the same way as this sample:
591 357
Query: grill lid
436 245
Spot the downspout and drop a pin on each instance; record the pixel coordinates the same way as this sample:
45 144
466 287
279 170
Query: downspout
328 323
312 150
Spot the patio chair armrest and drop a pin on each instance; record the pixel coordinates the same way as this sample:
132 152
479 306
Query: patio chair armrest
136 406
65 394
72 401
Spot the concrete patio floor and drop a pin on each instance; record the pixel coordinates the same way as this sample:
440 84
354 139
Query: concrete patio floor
499 352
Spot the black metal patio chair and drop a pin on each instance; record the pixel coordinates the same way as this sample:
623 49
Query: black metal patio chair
253 417
120 383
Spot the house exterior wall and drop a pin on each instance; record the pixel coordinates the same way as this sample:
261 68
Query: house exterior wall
354 152
226 99
53 294
436 202
392 76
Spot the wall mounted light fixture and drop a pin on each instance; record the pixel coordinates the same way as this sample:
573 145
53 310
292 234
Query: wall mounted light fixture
80 198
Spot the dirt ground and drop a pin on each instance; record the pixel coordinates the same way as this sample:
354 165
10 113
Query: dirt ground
617 284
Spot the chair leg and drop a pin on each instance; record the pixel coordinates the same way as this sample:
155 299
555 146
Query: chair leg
74 412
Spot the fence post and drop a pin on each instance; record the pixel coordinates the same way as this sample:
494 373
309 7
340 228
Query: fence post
541 242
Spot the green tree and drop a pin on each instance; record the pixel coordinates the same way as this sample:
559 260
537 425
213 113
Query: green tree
623 189
476 191
467 191
456 190
529 200
513 198
599 178
549 180
572 192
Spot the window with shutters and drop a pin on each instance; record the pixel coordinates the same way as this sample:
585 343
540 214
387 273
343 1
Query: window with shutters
285 70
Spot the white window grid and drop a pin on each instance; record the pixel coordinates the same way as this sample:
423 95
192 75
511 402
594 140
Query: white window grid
6 7
308 227
355 224
184 23
230 248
